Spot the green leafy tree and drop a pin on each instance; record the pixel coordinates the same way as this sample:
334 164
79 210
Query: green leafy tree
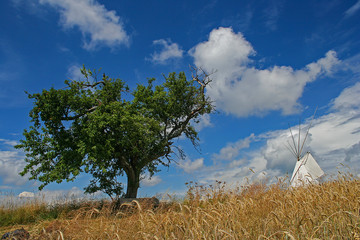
102 128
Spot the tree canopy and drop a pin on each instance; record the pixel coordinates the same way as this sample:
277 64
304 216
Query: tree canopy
102 128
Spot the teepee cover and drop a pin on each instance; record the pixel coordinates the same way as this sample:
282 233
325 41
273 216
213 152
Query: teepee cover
306 170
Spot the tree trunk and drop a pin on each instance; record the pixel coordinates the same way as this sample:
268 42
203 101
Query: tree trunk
133 183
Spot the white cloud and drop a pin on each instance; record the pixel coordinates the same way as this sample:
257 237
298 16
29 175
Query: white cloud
74 73
11 163
231 151
225 51
149 182
352 152
348 99
242 90
276 154
235 172
353 65
353 9
26 195
204 121
337 131
9 142
98 25
169 51
190 166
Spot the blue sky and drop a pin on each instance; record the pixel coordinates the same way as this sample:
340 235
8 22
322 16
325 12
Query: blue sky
274 63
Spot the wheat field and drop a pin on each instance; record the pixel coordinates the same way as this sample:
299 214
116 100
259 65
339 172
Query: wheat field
330 210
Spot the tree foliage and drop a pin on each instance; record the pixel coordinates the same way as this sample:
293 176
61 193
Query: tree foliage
102 128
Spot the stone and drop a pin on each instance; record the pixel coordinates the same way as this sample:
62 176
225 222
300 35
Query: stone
18 234
129 204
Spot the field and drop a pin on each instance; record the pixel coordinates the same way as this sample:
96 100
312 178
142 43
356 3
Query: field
327 211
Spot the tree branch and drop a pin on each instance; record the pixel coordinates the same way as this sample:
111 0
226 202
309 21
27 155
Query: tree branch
203 79
70 118
95 84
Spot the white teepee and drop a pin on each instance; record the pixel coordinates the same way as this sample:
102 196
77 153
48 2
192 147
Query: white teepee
306 170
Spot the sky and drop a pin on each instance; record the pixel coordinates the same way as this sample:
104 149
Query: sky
274 64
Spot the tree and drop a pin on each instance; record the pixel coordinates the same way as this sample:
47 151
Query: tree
101 128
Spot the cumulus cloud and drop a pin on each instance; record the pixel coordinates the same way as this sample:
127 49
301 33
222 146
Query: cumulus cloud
190 166
98 25
168 51
242 90
225 51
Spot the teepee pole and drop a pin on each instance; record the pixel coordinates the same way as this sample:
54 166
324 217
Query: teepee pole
294 150
307 132
299 152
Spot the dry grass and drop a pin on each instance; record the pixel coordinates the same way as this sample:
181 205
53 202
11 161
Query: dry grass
327 211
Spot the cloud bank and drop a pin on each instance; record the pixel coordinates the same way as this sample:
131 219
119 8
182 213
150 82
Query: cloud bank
11 163
242 90
334 139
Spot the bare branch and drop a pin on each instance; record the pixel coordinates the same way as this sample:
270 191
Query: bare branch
95 84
